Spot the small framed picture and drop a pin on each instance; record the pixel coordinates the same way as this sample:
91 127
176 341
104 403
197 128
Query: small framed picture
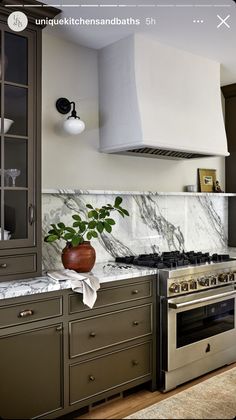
207 180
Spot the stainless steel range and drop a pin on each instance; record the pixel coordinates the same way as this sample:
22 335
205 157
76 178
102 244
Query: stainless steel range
196 312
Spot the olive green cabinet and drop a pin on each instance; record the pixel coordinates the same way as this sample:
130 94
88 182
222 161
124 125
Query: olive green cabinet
57 355
111 347
108 372
20 143
30 366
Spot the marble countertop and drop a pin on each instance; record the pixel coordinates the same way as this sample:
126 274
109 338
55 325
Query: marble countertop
105 272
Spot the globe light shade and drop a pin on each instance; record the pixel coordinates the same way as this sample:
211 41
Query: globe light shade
73 125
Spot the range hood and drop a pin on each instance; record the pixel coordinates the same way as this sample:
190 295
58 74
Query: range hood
159 101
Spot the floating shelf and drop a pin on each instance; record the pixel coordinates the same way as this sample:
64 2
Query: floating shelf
108 192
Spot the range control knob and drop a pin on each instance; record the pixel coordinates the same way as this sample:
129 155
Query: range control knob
193 285
174 288
203 281
184 286
223 278
231 276
213 281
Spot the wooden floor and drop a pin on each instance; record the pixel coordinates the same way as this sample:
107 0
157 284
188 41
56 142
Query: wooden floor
128 405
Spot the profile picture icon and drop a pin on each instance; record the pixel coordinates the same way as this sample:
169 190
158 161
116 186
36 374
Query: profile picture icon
17 21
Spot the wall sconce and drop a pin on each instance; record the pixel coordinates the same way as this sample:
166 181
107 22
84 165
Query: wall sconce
73 124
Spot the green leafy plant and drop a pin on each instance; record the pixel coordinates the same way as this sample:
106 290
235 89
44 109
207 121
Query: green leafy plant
97 221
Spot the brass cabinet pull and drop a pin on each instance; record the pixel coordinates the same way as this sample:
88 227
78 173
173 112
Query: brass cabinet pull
26 312
59 328
135 362
31 214
91 378
135 323
3 265
92 334
135 292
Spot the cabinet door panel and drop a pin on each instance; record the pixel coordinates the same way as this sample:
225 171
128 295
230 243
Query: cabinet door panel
30 366
104 373
112 296
95 333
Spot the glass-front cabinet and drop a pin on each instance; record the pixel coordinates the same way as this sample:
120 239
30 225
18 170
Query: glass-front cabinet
20 139
19 151
17 137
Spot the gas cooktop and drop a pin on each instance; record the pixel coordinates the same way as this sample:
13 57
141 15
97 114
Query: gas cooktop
174 259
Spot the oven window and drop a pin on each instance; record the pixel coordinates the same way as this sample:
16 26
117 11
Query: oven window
196 324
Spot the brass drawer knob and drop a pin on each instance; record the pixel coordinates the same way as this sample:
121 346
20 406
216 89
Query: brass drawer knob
92 334
3 265
135 362
91 378
26 312
135 323
135 292
59 328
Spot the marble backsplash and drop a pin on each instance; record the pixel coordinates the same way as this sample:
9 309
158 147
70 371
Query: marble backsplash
157 223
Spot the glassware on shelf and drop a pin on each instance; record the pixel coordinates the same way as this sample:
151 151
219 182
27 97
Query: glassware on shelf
6 125
6 235
13 173
6 177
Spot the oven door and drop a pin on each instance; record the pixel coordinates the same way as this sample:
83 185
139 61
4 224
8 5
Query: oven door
200 325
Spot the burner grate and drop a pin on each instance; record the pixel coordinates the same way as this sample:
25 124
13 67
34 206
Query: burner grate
173 259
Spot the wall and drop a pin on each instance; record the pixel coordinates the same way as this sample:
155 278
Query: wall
70 70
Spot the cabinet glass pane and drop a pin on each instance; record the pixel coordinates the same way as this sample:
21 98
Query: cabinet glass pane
16 109
16 57
15 162
15 212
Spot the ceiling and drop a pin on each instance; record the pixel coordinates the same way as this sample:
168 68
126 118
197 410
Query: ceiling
174 26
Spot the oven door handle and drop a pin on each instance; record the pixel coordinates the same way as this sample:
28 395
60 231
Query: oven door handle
173 305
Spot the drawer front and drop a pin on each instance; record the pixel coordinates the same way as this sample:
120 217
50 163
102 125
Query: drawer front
107 372
94 333
17 264
30 311
113 295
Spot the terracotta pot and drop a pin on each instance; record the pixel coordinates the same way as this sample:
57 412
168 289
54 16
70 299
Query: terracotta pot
80 258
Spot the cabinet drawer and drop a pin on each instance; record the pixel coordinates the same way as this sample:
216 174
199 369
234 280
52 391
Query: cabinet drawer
30 311
17 264
113 295
94 333
107 372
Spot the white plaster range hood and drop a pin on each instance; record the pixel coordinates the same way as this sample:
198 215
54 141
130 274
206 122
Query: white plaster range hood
159 101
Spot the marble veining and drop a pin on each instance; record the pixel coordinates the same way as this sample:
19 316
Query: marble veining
157 223
105 272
